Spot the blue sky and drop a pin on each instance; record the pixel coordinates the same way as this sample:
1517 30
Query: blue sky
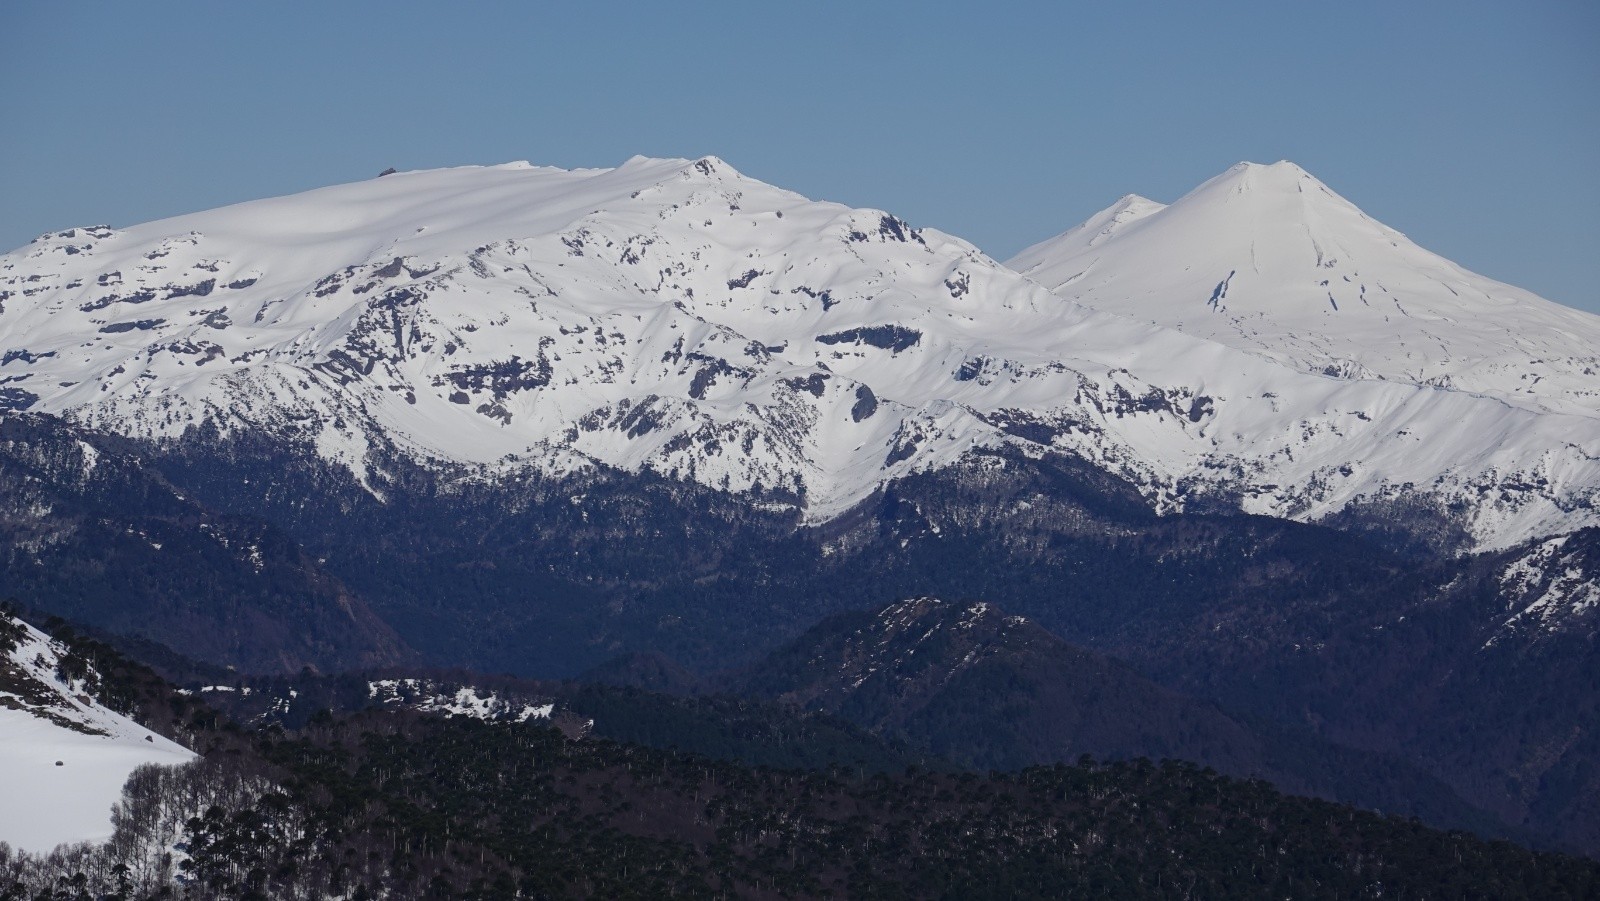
1473 127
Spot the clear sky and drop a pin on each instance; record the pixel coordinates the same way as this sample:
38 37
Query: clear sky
1474 127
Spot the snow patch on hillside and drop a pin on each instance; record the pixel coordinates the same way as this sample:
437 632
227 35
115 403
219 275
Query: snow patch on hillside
1548 587
63 757
467 701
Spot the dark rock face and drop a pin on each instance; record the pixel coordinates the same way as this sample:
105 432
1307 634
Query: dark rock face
866 403
744 281
14 399
894 338
501 378
815 384
142 325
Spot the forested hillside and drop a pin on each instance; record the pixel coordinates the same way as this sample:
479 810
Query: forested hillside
406 804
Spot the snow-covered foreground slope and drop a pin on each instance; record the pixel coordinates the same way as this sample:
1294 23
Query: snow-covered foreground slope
676 316
63 757
1268 259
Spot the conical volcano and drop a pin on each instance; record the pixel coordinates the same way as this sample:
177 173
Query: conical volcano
1268 259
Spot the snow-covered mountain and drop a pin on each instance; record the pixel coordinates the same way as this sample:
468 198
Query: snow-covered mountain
1268 259
677 316
63 756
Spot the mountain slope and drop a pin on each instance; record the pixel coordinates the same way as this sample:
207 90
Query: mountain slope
989 690
90 532
676 316
1267 259
63 755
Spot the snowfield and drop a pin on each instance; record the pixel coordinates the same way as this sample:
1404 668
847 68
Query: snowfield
678 317
63 758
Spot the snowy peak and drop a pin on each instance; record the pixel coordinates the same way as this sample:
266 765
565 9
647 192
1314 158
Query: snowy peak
706 166
1261 188
674 316
1112 220
1280 177
1268 259
1128 209
1289 217
1273 218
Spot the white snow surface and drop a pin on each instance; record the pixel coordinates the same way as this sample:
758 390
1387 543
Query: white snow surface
1268 259
679 317
42 804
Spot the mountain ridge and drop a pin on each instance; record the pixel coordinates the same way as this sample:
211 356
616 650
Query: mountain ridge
677 316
